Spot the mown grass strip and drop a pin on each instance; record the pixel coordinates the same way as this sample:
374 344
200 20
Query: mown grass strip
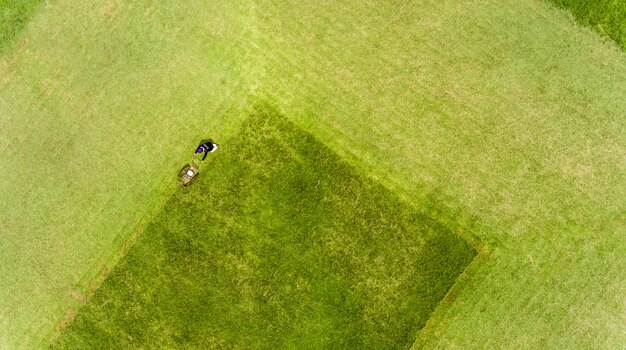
278 244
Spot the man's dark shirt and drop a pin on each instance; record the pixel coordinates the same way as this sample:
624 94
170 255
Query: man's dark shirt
205 147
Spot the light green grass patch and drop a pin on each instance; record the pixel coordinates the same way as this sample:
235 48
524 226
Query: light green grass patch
279 243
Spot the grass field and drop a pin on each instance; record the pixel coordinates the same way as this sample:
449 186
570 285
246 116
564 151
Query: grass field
279 244
504 120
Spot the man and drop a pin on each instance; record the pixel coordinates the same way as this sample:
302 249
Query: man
206 146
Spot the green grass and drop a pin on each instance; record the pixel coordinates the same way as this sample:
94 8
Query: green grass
607 17
278 244
502 119
14 14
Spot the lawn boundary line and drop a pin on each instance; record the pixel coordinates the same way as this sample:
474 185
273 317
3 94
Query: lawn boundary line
430 205
91 281
448 300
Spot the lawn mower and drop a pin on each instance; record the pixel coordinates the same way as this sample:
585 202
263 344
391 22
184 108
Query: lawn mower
189 172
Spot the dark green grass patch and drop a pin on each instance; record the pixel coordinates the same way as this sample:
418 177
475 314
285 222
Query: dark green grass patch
608 17
14 14
278 244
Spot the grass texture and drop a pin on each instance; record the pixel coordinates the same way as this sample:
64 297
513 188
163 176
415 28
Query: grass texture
503 119
278 244
607 17
14 14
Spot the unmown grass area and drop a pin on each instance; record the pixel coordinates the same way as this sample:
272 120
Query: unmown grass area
278 244
14 14
608 17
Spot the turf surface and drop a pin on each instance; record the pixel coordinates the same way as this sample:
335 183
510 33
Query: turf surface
607 17
504 119
278 244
